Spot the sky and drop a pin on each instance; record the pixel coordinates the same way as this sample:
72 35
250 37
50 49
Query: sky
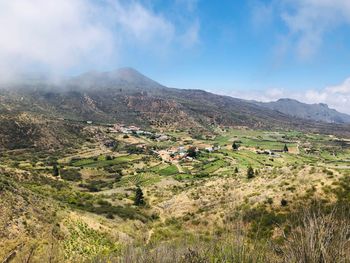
253 49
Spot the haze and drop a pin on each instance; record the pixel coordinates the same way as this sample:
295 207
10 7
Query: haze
262 50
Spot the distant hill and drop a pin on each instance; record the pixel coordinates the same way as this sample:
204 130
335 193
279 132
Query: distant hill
56 113
315 112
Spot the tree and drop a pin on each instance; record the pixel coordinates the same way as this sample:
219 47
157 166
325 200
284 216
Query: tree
109 158
236 170
235 146
250 173
284 202
55 171
285 149
191 152
139 199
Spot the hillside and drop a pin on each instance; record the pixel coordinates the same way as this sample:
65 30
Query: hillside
202 176
316 112
194 208
52 114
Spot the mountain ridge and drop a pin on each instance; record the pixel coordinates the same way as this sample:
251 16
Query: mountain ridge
126 96
315 111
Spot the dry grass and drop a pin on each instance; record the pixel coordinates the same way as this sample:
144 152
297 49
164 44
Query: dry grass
319 238
315 237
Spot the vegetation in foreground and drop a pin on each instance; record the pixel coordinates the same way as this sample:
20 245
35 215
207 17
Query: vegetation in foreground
234 196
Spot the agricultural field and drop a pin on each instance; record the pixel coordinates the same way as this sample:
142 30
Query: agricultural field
110 203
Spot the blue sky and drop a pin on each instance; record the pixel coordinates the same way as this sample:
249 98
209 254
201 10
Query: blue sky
255 49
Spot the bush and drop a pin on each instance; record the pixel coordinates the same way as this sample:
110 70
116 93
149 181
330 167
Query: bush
191 152
320 237
139 199
250 173
55 171
235 146
284 202
95 185
132 149
70 175
109 158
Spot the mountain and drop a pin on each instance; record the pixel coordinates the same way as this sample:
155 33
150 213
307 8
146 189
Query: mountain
121 78
316 112
44 115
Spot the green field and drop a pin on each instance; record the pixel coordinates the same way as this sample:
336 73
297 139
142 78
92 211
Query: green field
191 201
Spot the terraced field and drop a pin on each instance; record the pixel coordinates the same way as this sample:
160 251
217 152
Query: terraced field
184 200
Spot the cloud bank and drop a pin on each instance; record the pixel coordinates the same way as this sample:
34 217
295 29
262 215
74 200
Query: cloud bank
60 35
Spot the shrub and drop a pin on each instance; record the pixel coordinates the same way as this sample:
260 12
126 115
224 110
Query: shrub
191 152
250 173
139 199
284 202
109 158
55 171
235 146
70 175
320 237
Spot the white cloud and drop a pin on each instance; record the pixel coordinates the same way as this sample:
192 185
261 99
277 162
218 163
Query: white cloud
49 33
310 20
343 88
142 24
191 35
308 23
189 5
58 35
262 14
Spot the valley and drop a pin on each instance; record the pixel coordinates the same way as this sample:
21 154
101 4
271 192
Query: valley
186 131
80 203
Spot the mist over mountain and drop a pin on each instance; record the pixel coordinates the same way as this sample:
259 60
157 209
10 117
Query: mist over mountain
127 96
204 149
123 77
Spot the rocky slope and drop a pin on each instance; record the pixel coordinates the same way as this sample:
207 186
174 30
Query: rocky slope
316 112
42 114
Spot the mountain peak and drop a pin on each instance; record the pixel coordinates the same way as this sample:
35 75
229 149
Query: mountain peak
122 77
128 70
128 74
287 100
324 105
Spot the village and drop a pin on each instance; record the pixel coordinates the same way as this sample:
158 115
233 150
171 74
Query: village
182 150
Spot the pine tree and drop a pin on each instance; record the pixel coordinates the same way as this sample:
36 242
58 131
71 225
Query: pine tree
139 199
55 171
250 173
285 149
235 146
236 170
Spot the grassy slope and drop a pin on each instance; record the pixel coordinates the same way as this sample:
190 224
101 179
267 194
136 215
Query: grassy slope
194 206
